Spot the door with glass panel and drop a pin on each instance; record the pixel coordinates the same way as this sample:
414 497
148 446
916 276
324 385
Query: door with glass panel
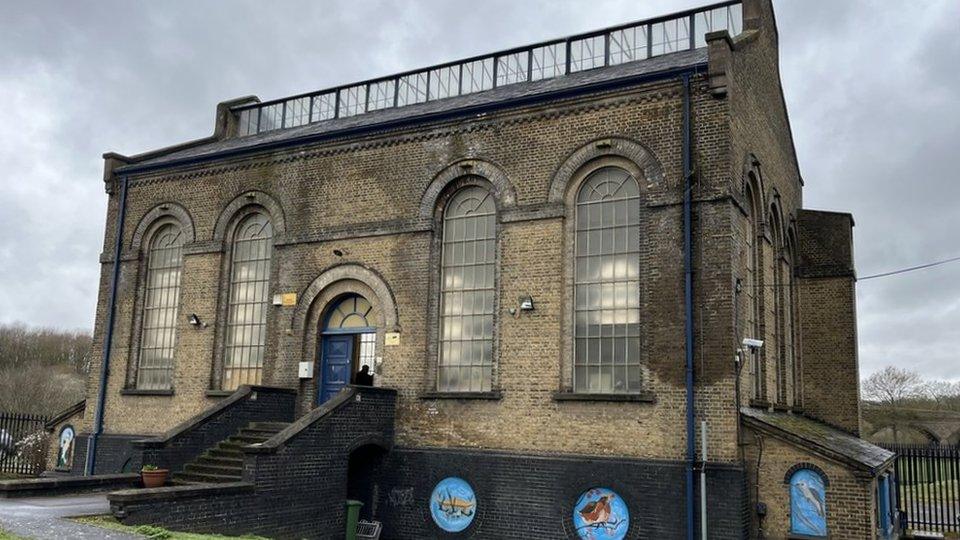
348 342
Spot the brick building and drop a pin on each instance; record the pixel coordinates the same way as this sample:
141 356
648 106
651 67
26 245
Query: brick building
549 258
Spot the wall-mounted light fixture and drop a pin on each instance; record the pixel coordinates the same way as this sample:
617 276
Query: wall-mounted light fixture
195 321
525 303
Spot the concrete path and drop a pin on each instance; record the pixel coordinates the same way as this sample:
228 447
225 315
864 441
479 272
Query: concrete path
43 518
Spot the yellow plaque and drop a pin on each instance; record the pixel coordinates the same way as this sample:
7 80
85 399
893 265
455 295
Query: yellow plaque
289 299
391 338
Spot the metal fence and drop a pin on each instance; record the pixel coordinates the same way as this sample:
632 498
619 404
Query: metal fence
610 46
928 481
22 444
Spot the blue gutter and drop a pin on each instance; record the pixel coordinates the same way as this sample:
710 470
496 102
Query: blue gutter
688 301
91 462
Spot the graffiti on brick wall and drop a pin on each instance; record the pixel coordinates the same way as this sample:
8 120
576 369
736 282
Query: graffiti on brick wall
453 504
401 497
601 514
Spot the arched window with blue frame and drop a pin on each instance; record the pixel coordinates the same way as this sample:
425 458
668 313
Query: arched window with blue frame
808 503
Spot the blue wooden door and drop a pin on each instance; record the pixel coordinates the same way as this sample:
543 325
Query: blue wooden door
336 362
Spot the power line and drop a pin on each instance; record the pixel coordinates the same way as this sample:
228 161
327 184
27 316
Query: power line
911 269
873 276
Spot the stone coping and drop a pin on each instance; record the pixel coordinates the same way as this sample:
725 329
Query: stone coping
59 485
642 397
240 394
345 396
170 493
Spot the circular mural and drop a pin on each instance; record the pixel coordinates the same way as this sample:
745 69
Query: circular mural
601 514
453 504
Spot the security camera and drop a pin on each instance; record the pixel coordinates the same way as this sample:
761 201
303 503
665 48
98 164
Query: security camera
751 343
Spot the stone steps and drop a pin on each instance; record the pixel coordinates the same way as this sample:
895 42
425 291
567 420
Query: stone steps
224 462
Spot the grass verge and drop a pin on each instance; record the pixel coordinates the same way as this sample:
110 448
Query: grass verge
4 535
149 531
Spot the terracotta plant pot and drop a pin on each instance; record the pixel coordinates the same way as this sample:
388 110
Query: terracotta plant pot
155 478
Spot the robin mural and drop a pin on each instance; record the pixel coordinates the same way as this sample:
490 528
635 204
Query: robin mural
596 512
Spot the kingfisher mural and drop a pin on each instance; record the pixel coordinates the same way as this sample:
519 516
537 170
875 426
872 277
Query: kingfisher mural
601 514
808 509
453 504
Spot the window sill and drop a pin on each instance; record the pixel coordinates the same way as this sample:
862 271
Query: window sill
218 393
640 397
139 392
493 395
760 404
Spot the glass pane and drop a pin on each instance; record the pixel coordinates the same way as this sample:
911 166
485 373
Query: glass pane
247 309
160 305
607 286
467 292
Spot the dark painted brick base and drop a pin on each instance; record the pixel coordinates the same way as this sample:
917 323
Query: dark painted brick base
115 454
296 484
533 496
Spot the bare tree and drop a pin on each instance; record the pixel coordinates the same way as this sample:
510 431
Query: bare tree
892 385
42 370
944 394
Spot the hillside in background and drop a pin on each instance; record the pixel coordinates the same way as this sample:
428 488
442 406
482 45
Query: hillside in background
42 370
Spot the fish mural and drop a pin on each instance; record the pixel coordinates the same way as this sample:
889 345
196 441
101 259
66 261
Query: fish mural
453 504
601 514
808 509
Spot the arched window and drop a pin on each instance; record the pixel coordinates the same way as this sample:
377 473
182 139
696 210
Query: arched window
778 345
160 306
789 325
352 314
467 266
753 292
808 503
607 284
248 302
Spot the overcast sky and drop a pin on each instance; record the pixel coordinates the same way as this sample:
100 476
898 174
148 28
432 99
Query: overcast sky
873 90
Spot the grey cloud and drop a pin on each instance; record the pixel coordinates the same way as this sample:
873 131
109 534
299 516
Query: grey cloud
872 88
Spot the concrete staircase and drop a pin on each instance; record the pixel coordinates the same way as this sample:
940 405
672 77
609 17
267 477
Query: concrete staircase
224 462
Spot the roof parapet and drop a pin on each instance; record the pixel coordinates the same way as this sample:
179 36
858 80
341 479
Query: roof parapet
620 44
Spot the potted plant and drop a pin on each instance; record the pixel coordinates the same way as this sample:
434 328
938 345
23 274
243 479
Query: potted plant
153 476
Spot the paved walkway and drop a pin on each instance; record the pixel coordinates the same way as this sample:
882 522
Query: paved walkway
44 517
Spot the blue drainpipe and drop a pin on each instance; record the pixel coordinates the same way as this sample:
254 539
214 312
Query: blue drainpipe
91 462
688 302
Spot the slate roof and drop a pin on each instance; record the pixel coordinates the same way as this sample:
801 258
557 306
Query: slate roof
830 441
64 414
424 111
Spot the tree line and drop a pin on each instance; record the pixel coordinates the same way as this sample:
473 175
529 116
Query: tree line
42 370
903 388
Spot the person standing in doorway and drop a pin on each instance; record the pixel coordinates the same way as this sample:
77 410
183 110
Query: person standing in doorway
364 377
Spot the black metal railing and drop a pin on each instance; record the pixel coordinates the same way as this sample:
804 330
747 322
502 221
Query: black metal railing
928 482
610 46
23 444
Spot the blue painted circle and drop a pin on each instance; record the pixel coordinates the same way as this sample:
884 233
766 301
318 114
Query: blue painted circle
453 504
601 514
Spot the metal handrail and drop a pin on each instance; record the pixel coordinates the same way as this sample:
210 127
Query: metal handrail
648 38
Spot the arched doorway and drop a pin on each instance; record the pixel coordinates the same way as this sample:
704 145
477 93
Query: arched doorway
365 469
348 342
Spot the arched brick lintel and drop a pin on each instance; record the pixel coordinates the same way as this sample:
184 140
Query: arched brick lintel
349 272
162 210
503 190
612 146
805 465
250 198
